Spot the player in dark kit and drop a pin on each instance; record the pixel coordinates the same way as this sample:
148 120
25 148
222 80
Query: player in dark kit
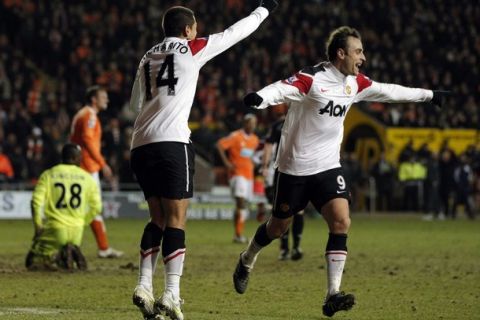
308 160
271 144
162 155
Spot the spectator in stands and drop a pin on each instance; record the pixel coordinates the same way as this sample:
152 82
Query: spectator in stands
463 177
384 174
447 184
432 201
6 169
356 178
411 174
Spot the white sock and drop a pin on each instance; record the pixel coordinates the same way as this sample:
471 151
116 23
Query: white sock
250 255
335 264
148 263
173 271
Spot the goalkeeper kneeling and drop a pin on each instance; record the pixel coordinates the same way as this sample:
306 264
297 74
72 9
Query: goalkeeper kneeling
65 199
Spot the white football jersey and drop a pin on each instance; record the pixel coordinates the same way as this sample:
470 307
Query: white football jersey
166 81
319 98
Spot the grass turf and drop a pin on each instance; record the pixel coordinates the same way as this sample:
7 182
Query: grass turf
398 267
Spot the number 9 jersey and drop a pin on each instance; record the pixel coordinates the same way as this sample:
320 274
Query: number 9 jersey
166 81
68 195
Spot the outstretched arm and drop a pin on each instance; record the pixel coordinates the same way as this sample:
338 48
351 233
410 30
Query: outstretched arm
386 92
276 93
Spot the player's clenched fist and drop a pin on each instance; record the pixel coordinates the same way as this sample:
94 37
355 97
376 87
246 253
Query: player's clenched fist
439 96
270 5
252 99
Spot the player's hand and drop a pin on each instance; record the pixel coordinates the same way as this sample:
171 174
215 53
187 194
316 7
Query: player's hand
270 5
38 232
107 172
230 166
252 99
439 97
264 171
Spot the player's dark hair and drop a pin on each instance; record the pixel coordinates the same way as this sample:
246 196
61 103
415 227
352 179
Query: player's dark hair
176 19
338 40
92 92
70 153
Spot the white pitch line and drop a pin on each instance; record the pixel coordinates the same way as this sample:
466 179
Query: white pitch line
10 311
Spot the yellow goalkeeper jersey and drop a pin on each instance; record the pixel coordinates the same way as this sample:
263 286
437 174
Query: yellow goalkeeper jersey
65 195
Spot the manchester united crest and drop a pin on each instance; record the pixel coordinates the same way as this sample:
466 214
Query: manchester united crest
348 89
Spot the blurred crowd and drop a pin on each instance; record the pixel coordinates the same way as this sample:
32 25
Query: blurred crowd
438 184
51 51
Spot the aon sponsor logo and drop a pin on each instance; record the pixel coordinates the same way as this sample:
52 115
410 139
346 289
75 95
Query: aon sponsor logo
333 110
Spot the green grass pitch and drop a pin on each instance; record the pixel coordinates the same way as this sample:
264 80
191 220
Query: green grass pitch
399 267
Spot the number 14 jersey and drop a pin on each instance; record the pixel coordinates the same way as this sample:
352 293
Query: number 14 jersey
167 76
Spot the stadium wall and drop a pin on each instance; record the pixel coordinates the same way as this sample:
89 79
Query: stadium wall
217 205
367 137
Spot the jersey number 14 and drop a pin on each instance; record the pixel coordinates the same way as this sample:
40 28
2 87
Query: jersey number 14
160 81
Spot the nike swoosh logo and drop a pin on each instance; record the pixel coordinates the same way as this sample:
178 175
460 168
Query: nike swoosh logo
323 90
341 191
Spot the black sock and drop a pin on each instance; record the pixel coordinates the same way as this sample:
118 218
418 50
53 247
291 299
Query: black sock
261 238
337 242
151 238
284 241
173 239
297 230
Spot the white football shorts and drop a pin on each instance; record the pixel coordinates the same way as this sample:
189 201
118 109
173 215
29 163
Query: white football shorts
241 187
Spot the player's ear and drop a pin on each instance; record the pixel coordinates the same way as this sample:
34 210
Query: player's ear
187 30
340 53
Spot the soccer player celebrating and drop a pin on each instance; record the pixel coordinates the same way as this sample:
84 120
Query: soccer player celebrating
308 161
86 131
162 155
240 145
68 198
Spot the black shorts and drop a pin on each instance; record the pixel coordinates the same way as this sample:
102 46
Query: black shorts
164 169
269 193
292 193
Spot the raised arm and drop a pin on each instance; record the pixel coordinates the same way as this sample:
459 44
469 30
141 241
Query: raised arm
219 42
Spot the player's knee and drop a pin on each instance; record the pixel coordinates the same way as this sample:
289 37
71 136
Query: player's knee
341 224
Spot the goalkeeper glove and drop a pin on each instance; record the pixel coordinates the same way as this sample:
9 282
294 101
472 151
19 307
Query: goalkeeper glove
439 97
252 99
270 5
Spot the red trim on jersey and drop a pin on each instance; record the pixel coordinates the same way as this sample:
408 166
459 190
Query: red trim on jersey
197 44
363 82
173 256
300 81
